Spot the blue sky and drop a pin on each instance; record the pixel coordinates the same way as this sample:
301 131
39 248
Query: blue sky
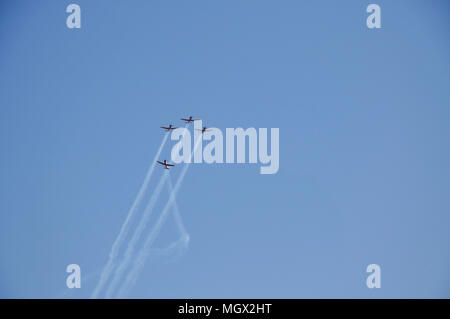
364 128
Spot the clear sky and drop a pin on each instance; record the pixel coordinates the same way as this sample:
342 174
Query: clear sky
364 145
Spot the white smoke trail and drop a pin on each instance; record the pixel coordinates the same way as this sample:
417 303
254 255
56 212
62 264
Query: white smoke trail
145 250
125 227
176 213
178 247
137 234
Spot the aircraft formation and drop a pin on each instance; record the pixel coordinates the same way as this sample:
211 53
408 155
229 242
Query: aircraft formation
171 127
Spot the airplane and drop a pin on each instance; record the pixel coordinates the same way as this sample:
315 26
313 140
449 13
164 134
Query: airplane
166 165
190 119
204 129
168 128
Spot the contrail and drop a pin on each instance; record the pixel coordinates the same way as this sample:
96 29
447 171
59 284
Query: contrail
140 228
143 254
125 227
137 234
176 213
182 243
